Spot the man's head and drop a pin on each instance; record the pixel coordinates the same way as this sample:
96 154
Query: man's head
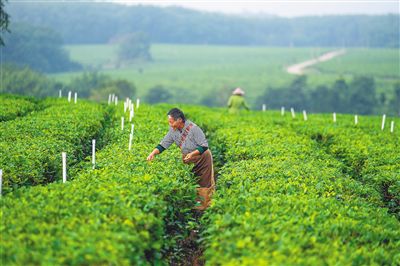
176 118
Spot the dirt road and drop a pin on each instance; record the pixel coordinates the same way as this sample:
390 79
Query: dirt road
298 69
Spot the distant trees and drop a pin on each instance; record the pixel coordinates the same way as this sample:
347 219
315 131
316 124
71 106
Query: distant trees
36 47
357 97
158 94
4 21
134 47
25 81
89 23
98 86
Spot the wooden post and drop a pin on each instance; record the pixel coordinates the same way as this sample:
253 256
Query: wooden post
391 127
282 111
75 97
293 113
334 117
122 123
356 119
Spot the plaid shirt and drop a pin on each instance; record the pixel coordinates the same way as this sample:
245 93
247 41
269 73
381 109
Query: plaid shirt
194 139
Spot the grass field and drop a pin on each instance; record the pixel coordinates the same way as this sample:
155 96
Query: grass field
194 71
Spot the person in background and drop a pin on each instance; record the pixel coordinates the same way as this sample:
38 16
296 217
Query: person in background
194 147
237 102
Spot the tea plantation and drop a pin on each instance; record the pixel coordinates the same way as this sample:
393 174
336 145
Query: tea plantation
289 191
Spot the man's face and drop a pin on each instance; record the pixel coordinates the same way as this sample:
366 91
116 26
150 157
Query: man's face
173 123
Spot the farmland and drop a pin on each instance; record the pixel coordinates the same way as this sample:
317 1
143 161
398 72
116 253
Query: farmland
193 71
289 191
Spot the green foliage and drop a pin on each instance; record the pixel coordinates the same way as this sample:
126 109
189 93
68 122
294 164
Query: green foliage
284 199
134 47
125 212
4 21
36 47
87 23
158 94
31 146
358 97
27 82
14 106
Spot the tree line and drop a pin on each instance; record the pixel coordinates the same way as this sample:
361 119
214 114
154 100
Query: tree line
84 23
357 96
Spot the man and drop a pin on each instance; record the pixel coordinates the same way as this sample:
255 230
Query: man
237 101
194 147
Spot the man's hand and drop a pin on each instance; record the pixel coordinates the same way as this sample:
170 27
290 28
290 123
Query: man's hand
150 157
152 154
188 157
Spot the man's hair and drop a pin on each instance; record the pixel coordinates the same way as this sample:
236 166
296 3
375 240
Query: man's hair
176 114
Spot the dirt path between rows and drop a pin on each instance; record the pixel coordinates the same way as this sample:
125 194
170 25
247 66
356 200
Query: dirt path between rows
298 69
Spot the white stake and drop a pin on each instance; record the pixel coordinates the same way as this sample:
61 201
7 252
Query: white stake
282 111
76 97
132 128
69 96
334 117
356 119
391 127
1 181
383 121
264 107
109 99
116 100
64 166
292 111
94 153
305 115
131 114
59 94
122 123
137 103
112 97
130 141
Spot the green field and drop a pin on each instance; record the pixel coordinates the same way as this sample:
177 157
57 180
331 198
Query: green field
198 70
289 191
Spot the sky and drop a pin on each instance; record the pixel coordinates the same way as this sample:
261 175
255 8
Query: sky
285 8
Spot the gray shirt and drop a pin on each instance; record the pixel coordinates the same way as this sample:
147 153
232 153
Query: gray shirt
194 138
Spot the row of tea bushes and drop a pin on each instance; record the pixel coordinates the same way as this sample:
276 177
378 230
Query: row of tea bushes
369 154
126 211
31 146
281 199
12 106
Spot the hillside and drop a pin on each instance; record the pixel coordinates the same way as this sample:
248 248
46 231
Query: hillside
96 23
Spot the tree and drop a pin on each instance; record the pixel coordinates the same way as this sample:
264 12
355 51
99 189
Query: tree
158 94
89 82
395 102
25 81
134 47
4 21
39 48
363 95
121 88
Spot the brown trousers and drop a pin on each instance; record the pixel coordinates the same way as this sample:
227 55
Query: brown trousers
203 168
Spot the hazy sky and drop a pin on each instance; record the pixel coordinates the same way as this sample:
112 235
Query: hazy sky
288 8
